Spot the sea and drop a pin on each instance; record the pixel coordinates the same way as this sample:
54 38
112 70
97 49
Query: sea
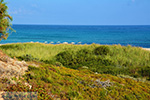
135 35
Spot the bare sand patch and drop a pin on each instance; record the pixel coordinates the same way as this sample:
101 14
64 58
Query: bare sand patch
148 49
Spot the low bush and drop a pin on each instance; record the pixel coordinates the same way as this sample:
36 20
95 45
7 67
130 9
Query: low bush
27 57
67 58
101 50
53 82
69 84
95 57
145 72
83 57
101 64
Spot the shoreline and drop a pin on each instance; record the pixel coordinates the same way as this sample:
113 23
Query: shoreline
66 43
148 49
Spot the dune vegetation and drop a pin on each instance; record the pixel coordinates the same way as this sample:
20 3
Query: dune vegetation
77 72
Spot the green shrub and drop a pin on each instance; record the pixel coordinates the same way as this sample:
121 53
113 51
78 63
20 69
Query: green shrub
101 50
75 59
107 62
145 72
28 57
83 57
67 58
84 52
48 61
58 64
132 59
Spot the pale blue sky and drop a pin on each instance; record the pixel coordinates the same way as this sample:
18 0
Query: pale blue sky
80 12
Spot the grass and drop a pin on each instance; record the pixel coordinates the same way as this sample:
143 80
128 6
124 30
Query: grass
119 54
69 72
39 50
109 59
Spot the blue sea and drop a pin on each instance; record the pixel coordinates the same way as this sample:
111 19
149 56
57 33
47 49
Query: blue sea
124 35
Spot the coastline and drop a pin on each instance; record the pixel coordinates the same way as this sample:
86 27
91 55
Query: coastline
148 49
65 43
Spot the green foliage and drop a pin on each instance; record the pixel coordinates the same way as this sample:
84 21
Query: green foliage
68 84
145 72
101 50
28 57
126 60
66 58
45 52
97 62
15 47
5 20
83 57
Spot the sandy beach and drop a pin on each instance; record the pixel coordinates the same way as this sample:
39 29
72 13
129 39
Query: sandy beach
147 49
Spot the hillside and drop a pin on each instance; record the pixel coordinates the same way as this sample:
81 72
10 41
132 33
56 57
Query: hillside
56 82
86 76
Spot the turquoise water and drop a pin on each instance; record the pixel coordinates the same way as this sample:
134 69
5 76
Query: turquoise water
124 35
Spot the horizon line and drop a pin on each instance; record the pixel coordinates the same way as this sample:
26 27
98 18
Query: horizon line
83 24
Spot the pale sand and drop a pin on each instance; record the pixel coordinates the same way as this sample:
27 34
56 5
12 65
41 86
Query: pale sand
148 49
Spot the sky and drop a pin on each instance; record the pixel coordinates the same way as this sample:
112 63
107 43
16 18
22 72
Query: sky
80 12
